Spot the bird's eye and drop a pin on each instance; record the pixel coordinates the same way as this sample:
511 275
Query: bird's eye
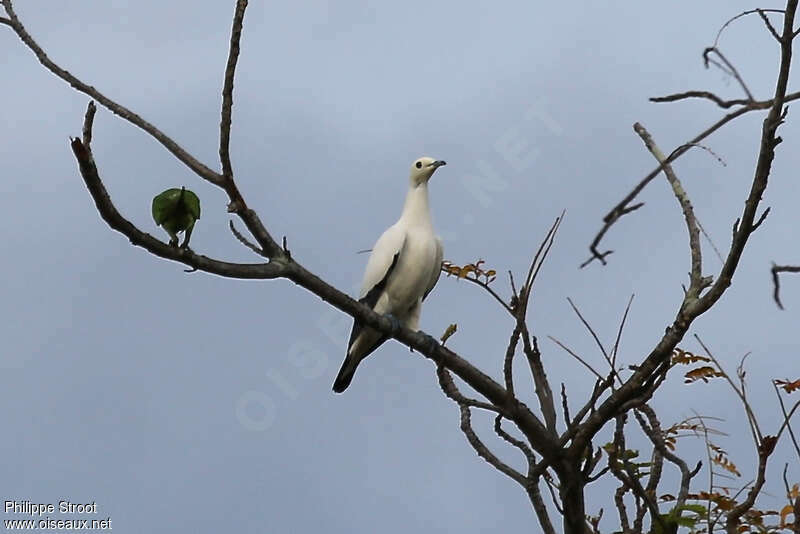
419 164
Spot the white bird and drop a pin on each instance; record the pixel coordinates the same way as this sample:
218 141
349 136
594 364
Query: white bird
403 268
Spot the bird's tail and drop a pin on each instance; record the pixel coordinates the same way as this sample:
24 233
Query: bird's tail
363 341
346 374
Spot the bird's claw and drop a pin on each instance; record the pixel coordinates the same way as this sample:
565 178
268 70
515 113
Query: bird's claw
395 324
431 343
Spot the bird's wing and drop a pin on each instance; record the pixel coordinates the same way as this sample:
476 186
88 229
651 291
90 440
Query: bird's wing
380 267
436 268
381 263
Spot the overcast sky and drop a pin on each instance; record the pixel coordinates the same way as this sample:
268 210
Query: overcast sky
190 403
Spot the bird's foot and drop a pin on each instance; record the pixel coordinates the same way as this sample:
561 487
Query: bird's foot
395 328
173 242
431 343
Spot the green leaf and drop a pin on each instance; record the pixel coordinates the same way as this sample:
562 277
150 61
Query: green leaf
176 204
697 508
684 521
176 210
192 203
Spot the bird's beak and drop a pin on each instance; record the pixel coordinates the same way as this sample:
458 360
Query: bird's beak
438 163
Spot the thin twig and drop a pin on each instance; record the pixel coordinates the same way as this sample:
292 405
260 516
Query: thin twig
795 505
732 520
742 14
768 24
615 350
508 362
450 389
786 419
701 94
116 221
565 405
596 339
551 487
623 207
776 269
710 469
727 68
600 386
535 495
710 241
542 386
696 282
518 443
227 91
656 435
521 309
199 169
622 511
751 418
485 286
88 123
572 353
244 241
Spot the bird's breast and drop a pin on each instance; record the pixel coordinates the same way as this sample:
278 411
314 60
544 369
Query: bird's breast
412 272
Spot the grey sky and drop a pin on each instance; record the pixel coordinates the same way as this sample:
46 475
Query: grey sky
122 374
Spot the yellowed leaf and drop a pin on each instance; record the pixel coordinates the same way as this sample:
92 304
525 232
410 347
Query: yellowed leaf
785 511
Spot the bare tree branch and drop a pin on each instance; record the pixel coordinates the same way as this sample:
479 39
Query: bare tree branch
776 269
726 66
286 267
574 355
484 285
536 264
570 455
615 350
743 14
244 241
542 385
656 435
622 511
624 206
695 285
690 311
565 405
740 392
199 169
601 385
620 467
115 220
88 122
701 94
450 389
518 443
786 420
768 24
227 91
794 504
535 496
508 371
764 451
613 371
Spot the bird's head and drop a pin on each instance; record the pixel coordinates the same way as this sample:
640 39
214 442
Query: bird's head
423 169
